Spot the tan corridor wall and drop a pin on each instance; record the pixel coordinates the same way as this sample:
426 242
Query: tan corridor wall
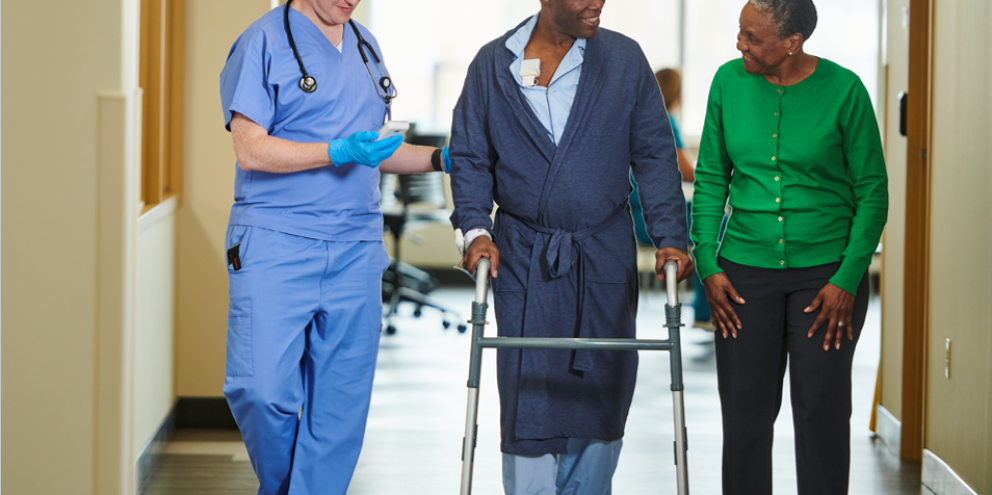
959 409
201 318
208 181
52 205
894 241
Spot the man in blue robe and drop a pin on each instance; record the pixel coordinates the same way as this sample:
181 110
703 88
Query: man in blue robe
551 142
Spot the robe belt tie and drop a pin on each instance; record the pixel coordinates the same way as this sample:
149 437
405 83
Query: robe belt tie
563 248
561 251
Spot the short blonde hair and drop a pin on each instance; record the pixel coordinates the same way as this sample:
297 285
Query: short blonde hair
670 82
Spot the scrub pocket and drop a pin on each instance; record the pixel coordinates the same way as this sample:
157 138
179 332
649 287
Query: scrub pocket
239 321
239 353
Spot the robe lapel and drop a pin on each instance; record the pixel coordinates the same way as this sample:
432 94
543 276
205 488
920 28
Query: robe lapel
593 70
516 104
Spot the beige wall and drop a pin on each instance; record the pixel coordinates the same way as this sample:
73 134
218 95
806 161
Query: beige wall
59 217
893 242
154 322
958 426
208 176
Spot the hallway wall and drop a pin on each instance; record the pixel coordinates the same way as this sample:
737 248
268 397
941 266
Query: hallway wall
201 316
155 275
893 242
60 223
959 411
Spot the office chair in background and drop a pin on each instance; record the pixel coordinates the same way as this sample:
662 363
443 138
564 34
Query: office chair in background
402 281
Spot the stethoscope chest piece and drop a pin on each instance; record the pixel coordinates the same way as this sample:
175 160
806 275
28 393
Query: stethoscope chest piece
308 84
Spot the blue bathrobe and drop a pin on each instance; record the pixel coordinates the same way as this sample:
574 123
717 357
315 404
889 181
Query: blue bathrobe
568 264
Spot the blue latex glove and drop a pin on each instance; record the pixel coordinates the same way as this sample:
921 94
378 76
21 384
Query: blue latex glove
362 148
446 160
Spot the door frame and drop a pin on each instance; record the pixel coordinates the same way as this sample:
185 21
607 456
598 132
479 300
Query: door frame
916 297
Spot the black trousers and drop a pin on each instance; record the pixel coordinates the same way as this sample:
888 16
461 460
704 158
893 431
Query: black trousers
750 370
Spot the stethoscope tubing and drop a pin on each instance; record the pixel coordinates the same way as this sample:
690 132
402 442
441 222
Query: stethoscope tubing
384 86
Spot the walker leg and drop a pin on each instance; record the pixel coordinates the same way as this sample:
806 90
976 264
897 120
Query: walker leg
673 317
478 321
468 442
681 444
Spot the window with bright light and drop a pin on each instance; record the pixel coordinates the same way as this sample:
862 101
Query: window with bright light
429 44
429 63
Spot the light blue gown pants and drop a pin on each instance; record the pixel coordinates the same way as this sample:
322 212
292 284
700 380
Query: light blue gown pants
303 333
587 469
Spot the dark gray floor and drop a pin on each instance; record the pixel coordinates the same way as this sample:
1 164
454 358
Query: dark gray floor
413 441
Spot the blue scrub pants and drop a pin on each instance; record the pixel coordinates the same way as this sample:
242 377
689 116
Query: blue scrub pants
587 469
303 334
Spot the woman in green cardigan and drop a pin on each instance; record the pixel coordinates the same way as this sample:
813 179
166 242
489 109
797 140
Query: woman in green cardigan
791 141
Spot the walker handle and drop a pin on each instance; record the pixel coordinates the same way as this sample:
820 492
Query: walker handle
671 274
481 280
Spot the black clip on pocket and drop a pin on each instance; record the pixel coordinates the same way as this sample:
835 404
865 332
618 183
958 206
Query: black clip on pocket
234 256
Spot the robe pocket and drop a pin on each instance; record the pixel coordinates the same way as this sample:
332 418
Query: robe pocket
610 259
239 345
514 262
608 268
609 311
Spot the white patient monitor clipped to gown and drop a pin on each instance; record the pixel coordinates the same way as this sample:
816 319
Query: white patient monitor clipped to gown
530 70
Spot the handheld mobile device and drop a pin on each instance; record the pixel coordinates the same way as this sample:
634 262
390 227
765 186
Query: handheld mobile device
393 128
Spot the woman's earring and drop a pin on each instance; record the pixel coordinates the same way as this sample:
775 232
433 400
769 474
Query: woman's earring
790 54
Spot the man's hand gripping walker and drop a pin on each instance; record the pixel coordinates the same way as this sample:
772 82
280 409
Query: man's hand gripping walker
673 312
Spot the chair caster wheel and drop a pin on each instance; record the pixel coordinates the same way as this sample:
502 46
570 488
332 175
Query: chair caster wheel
446 323
390 330
462 328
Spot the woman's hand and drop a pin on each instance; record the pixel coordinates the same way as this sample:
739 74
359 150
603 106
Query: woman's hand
719 291
836 306
482 247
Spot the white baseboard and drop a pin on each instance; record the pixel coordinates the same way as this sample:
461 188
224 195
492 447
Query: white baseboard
888 428
941 479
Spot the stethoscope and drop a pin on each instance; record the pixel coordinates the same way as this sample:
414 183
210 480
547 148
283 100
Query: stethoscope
308 84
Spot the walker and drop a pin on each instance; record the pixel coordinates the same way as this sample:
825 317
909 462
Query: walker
673 311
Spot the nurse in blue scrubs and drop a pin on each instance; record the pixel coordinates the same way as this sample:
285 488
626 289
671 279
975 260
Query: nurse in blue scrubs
304 91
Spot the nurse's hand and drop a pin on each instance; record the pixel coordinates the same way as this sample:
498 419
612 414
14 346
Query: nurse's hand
362 148
482 247
446 160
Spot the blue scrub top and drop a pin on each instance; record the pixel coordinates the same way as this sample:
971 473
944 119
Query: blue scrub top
261 81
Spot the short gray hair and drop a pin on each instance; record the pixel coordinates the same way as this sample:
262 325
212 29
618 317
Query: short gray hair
792 16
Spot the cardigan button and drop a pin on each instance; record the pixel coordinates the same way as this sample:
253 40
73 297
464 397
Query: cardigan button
782 262
779 219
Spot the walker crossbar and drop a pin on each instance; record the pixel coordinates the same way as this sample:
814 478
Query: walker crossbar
673 317
564 343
